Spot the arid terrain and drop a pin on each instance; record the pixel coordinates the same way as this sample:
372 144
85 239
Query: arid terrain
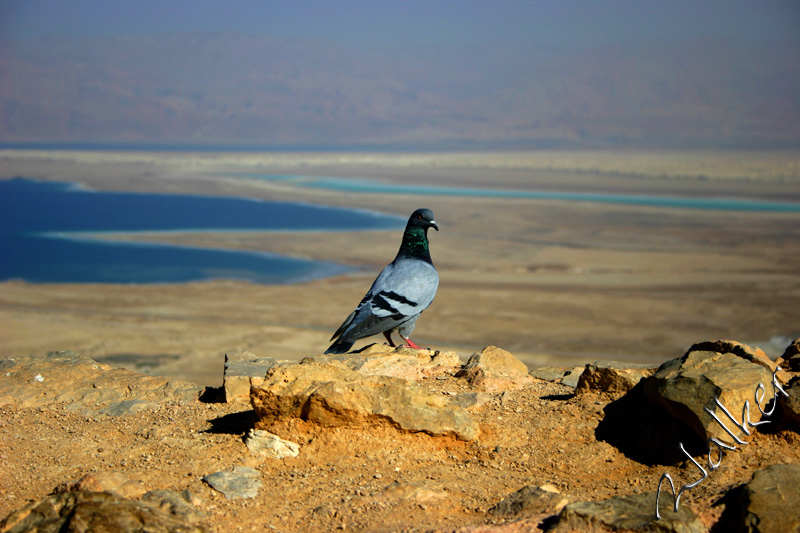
557 282
69 424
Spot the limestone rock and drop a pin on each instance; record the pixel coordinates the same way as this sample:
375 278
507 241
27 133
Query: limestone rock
406 363
241 370
77 380
264 443
549 373
89 512
126 407
115 482
470 400
612 376
790 360
684 386
183 504
331 395
572 376
634 512
770 502
790 405
565 375
531 501
413 492
241 482
754 355
495 369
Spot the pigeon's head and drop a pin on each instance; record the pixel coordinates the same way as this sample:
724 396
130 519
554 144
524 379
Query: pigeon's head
423 218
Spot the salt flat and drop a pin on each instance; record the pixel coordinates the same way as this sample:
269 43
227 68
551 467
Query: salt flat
555 282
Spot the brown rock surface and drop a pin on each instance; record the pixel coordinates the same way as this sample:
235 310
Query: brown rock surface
754 355
531 501
790 405
626 513
406 363
114 482
92 512
686 386
241 371
790 360
770 502
612 376
494 369
67 377
362 478
332 395
266 444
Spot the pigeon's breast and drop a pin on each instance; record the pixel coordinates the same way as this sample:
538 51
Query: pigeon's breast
415 281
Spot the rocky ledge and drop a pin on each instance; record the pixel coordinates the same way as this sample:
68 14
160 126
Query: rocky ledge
400 439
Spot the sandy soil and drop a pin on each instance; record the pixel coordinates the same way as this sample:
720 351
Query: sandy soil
362 479
554 282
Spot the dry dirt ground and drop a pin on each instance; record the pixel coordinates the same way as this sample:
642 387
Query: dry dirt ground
364 479
555 282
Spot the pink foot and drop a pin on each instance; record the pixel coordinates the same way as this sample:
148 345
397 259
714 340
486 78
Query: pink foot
411 344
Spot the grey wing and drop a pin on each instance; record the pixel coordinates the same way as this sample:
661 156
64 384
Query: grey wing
364 303
346 322
406 290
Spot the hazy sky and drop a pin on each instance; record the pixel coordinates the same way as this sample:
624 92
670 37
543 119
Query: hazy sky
433 73
546 23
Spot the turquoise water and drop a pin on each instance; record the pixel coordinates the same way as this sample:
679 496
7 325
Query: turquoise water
367 186
44 229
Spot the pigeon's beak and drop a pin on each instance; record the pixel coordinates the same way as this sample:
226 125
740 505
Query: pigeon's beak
433 225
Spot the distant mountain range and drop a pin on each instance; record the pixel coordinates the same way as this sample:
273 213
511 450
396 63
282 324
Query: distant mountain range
221 89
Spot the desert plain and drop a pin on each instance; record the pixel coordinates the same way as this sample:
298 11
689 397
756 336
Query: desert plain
556 282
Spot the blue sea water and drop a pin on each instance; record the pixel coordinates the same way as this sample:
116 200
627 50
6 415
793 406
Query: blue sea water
44 227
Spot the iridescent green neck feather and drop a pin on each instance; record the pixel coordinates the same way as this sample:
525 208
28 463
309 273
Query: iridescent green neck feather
415 244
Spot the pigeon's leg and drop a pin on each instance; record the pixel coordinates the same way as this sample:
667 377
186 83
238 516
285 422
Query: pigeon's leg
411 344
388 335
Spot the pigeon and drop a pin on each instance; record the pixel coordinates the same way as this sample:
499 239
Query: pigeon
403 290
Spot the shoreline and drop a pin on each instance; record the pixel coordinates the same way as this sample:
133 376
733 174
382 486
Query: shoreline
554 282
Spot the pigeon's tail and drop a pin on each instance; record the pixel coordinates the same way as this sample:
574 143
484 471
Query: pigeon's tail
340 346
